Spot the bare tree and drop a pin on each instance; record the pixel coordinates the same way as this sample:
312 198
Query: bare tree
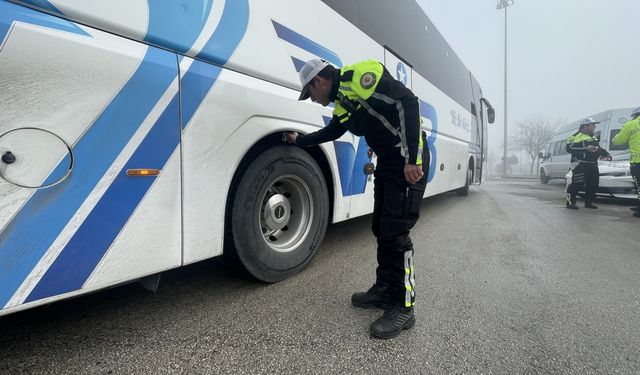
531 136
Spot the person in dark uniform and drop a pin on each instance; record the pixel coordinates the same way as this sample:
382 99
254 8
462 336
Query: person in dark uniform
585 152
369 102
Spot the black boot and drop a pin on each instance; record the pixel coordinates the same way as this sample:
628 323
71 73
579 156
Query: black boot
374 298
590 205
635 209
393 321
571 202
636 214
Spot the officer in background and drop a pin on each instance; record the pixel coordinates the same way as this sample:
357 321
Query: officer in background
369 102
585 152
630 134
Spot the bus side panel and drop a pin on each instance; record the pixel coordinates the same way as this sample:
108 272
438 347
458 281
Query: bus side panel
150 241
448 126
114 117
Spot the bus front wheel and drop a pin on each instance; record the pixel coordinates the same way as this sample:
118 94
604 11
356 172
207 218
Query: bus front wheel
280 213
464 191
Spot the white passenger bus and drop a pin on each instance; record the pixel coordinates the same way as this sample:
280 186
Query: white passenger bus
138 136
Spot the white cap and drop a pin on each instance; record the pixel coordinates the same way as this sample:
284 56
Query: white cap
588 121
309 70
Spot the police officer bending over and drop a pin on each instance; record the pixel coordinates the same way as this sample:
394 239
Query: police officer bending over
369 102
585 151
630 134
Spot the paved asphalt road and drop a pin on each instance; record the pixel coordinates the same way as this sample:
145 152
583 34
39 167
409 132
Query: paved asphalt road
510 282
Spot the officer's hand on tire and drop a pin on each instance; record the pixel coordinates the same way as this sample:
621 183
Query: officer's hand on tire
413 173
290 137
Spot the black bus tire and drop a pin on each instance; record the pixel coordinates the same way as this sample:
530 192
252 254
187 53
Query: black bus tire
464 191
280 213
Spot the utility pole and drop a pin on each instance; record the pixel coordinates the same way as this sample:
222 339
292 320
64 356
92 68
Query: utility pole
504 4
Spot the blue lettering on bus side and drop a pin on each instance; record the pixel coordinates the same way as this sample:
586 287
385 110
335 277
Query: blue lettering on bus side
460 121
429 112
401 73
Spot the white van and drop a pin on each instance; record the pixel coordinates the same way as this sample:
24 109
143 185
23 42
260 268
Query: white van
615 178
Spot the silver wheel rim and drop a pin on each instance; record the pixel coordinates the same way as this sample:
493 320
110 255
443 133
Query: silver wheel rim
286 213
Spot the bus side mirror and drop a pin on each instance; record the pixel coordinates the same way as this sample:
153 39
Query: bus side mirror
491 115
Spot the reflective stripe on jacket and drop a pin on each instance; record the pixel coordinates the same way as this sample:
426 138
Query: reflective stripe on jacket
577 145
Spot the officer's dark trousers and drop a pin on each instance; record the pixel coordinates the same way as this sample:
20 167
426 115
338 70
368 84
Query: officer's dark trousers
635 173
396 210
587 175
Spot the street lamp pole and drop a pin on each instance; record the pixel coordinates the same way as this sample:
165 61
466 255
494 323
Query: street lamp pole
503 4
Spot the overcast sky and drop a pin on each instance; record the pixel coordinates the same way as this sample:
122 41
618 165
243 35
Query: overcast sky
566 59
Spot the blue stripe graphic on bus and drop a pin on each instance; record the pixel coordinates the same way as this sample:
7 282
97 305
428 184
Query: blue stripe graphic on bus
46 5
82 253
297 63
429 112
10 13
351 164
401 73
346 157
358 177
306 44
176 24
94 237
195 85
229 33
50 210
155 150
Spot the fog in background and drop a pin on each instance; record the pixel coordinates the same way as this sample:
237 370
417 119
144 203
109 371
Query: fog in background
566 59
